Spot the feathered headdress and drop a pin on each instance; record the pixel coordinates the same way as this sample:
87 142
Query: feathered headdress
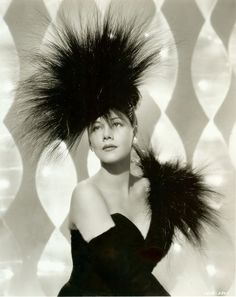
83 74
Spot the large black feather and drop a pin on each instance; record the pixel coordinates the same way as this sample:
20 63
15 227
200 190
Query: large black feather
83 74
179 199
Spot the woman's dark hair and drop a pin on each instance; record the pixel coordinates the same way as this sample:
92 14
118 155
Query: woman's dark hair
130 115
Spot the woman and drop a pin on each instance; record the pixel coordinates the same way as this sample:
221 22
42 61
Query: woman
111 219
122 225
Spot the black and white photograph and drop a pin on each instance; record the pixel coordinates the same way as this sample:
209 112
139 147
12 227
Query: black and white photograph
117 147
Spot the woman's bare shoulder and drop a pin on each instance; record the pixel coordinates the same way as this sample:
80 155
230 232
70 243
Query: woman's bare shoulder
86 187
87 196
88 211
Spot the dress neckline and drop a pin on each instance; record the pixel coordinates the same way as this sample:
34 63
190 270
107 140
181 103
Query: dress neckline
117 214
124 218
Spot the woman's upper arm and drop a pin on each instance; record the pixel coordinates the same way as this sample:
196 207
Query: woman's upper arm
89 212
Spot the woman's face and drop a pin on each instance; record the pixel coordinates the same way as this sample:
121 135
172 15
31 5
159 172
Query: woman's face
111 140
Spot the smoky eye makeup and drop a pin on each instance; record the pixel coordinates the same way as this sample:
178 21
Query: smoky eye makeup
122 118
96 123
116 120
95 127
117 123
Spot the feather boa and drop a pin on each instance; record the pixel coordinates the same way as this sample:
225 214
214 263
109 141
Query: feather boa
178 198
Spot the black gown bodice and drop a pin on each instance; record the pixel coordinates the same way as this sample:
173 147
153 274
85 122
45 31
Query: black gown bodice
117 262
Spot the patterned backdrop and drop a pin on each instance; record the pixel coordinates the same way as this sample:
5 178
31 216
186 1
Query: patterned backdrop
187 112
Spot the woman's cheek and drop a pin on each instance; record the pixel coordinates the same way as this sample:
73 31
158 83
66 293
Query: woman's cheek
94 140
128 141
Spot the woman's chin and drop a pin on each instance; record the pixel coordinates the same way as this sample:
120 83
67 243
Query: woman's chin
111 157
110 160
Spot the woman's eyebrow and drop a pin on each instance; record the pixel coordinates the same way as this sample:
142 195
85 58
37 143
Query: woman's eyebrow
115 118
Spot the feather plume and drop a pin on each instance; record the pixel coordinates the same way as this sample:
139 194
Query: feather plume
179 199
84 74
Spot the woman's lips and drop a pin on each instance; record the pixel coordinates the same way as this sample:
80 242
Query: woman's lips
109 147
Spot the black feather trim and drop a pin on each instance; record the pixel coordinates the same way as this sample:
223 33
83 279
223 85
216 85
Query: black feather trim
178 198
84 74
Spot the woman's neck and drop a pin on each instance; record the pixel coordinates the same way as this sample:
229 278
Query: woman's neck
116 176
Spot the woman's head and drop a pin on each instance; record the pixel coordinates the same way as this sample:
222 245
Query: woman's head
111 137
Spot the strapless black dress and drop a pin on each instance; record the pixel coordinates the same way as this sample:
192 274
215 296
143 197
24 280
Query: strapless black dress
118 262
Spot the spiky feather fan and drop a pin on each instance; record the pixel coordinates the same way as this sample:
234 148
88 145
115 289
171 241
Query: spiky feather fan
83 74
179 200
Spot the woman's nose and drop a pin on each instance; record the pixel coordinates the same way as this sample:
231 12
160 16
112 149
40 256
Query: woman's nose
107 132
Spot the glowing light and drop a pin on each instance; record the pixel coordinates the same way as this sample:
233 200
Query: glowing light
215 205
203 85
209 37
146 35
6 274
217 41
62 146
47 171
48 267
214 179
177 248
211 134
7 86
4 184
164 53
3 208
211 270
164 157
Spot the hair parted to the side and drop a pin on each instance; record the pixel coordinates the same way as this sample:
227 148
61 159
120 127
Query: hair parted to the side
83 74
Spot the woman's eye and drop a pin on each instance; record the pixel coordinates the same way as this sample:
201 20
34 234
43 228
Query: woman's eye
117 124
95 128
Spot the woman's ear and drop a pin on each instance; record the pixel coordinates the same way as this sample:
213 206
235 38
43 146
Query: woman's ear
135 140
135 130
